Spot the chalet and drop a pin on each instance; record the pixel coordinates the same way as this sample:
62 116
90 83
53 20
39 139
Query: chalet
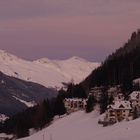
116 93
119 97
96 92
74 104
118 111
134 98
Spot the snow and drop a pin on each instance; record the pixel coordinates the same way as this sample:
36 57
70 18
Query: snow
3 135
74 68
50 73
3 117
28 104
82 126
134 95
136 81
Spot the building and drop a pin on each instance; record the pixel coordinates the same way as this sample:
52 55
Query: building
134 98
75 104
115 92
120 110
96 92
119 97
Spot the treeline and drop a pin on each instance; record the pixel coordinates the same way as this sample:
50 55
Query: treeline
120 68
35 117
75 91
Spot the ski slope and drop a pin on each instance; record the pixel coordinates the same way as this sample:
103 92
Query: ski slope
50 73
82 126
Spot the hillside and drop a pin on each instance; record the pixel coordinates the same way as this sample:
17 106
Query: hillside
120 68
50 73
16 94
81 126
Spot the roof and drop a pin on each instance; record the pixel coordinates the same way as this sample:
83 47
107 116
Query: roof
135 95
114 89
75 99
118 105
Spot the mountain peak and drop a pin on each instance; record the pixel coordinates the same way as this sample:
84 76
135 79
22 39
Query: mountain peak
50 73
43 60
4 55
76 58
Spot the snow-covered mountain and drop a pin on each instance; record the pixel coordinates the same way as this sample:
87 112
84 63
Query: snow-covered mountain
50 73
16 94
82 126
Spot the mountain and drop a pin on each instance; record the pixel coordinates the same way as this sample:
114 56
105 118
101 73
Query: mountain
120 68
23 83
16 95
50 73
82 126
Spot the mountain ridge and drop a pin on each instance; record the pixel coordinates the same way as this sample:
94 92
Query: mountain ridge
50 73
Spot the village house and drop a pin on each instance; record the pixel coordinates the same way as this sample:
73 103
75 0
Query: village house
96 92
119 97
75 104
120 110
116 93
134 98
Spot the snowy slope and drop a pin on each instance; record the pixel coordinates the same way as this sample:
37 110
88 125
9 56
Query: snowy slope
74 68
28 104
49 73
16 94
81 126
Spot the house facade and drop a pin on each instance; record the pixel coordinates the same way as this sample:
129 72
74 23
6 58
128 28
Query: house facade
75 104
96 92
120 110
116 93
134 98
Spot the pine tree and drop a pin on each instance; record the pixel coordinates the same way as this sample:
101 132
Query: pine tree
135 113
59 107
90 104
103 102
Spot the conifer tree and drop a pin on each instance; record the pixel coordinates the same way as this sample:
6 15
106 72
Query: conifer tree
59 107
135 113
90 104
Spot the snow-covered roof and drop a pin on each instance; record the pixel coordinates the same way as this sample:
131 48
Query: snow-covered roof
136 81
134 95
74 99
114 89
118 105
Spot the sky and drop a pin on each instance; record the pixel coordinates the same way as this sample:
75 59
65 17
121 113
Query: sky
59 29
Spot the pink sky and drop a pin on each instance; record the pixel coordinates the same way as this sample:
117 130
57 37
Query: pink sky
62 28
